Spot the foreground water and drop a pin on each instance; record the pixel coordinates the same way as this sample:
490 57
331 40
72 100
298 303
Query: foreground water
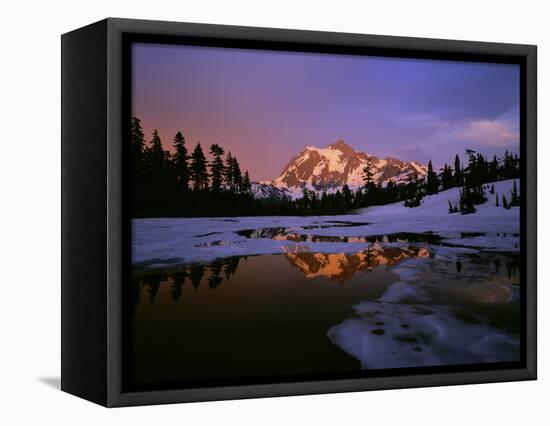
400 301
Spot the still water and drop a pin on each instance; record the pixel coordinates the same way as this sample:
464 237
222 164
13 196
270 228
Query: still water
301 312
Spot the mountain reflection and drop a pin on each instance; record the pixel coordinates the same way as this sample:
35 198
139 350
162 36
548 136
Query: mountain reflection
341 266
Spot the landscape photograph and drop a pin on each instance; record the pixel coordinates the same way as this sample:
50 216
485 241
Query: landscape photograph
300 214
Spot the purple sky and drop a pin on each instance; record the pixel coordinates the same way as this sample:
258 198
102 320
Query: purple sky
267 106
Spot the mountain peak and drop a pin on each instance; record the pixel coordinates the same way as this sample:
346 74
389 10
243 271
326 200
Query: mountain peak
330 168
341 145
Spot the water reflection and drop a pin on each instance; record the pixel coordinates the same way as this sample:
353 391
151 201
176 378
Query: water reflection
342 266
398 304
335 266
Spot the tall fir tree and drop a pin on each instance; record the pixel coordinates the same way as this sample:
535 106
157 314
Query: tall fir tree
368 176
156 160
180 157
228 172
458 171
432 181
247 186
413 196
348 197
314 203
514 200
237 176
493 169
217 168
137 141
199 174
447 180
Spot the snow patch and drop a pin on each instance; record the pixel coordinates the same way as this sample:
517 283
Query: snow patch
390 335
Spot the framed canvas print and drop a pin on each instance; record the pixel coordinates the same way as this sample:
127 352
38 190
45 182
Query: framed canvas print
254 212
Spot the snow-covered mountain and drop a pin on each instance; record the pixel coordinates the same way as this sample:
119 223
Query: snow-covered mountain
327 169
263 190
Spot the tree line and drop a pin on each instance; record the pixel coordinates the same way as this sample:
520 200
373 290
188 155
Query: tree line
479 171
179 183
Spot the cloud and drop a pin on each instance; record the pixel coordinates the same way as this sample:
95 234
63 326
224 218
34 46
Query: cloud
424 121
415 153
493 133
497 132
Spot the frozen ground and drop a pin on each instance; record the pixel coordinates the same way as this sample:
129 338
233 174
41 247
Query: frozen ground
162 242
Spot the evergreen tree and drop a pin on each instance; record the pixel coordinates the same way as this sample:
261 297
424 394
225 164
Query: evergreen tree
304 201
447 180
392 192
516 166
137 141
199 175
471 177
432 183
156 159
180 161
228 178
496 200
514 201
458 171
493 169
338 200
325 202
348 197
466 201
412 194
314 202
237 176
492 191
368 176
247 186
217 167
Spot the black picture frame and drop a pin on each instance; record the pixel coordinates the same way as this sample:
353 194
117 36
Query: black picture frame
95 224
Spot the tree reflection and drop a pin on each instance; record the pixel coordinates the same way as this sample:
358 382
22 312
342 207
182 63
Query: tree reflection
230 266
215 278
152 283
176 287
196 273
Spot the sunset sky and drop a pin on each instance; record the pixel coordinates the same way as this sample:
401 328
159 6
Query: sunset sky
266 106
